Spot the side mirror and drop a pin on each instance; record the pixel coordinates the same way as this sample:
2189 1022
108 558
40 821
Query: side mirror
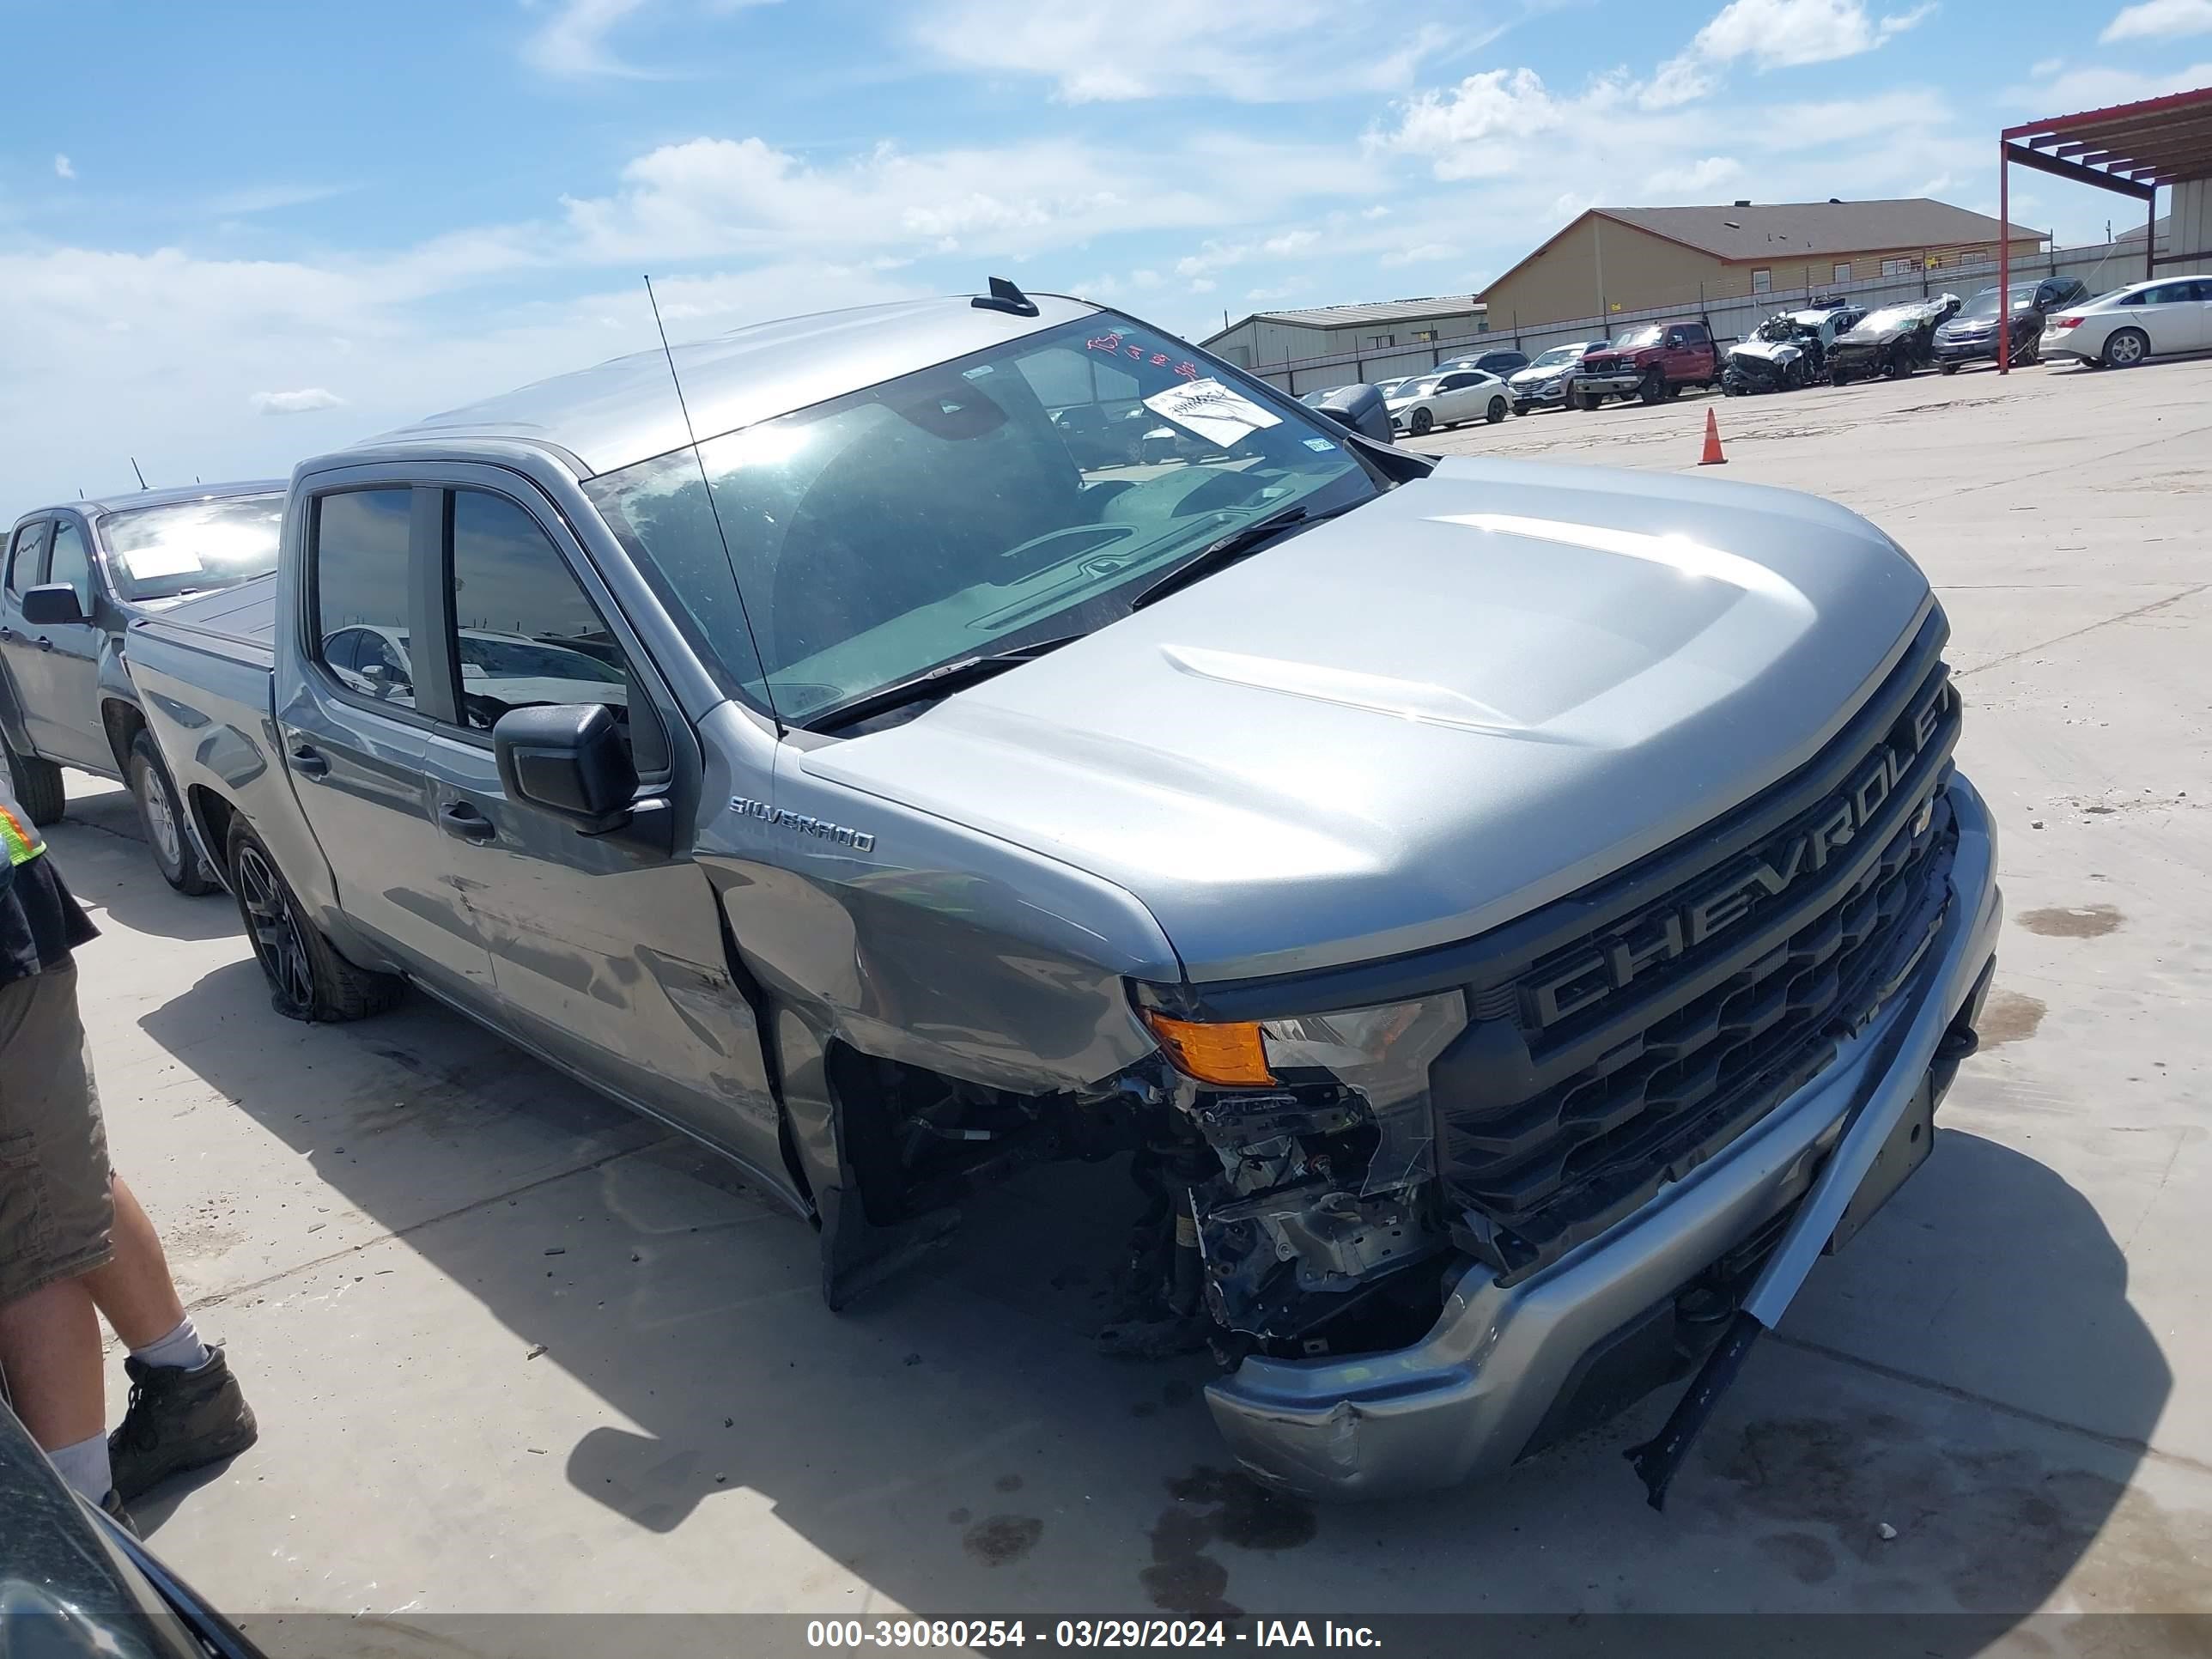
567 760
52 604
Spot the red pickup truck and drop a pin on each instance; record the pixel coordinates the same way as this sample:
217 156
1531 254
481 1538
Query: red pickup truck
1652 361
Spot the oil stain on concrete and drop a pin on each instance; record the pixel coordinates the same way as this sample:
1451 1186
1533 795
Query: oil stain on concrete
998 1540
2008 1017
1214 1505
2076 921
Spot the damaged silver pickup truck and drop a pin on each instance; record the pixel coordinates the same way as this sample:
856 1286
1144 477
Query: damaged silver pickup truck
1513 918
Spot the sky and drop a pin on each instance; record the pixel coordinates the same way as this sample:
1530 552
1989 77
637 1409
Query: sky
234 235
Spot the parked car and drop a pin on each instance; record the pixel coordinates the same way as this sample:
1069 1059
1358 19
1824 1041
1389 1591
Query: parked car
1487 1019
2119 330
1650 361
1447 399
74 1585
1891 342
1788 350
1971 334
1501 361
1544 383
77 576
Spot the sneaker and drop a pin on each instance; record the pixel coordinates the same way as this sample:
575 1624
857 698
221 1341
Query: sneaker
112 1507
177 1420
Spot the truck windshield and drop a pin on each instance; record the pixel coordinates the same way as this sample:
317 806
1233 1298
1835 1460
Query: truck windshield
1024 493
1636 339
191 547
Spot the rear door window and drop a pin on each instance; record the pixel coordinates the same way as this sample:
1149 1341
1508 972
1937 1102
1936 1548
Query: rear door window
359 580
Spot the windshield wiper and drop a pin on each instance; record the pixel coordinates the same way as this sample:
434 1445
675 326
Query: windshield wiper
940 681
1238 544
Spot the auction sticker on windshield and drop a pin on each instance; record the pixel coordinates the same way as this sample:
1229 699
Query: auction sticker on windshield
1211 409
161 559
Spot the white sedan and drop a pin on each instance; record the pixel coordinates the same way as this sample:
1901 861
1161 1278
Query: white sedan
1435 400
2120 329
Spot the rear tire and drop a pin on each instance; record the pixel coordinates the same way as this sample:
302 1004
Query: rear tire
1496 412
37 784
162 817
2126 348
308 980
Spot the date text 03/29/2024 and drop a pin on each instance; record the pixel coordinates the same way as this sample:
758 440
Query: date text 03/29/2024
990 1633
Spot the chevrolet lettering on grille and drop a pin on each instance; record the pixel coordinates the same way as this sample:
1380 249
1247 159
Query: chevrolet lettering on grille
1681 924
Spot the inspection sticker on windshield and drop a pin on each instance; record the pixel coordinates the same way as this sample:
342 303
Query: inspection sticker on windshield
1320 444
1211 409
161 560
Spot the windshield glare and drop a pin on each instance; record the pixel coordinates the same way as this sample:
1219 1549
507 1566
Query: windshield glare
191 547
1892 317
1636 339
1559 357
965 510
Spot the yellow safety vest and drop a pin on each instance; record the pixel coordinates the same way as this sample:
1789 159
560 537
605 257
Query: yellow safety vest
23 841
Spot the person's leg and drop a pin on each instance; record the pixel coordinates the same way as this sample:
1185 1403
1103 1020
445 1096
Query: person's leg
55 1217
134 1290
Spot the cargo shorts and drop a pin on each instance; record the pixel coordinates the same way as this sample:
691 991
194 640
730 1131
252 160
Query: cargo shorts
56 1208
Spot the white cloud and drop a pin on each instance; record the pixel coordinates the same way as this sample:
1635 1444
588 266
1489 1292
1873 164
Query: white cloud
2095 86
63 167
1699 178
1425 253
1203 285
1266 295
305 401
2160 20
1783 34
1251 50
713 196
573 43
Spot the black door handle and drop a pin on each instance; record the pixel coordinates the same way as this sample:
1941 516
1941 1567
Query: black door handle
310 763
44 644
460 820
7 633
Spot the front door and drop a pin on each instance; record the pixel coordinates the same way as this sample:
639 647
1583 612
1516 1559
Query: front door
2169 313
354 743
608 955
64 662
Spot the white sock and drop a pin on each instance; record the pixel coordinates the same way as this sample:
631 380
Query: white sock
181 1349
84 1466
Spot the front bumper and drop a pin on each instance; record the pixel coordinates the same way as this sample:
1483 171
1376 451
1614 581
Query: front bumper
1476 1394
1552 390
1619 382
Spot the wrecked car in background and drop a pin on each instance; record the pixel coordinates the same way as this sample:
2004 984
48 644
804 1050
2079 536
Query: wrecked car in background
1499 1010
1789 350
1890 342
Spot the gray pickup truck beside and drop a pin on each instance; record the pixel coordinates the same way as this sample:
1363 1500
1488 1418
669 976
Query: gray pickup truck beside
77 575
1512 918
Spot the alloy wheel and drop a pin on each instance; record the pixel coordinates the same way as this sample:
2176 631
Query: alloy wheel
277 940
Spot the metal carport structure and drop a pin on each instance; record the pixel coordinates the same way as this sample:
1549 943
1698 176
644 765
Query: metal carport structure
2131 148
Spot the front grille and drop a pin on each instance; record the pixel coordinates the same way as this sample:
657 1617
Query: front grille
1627 1033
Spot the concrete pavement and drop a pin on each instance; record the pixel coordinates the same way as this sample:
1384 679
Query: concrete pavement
513 1350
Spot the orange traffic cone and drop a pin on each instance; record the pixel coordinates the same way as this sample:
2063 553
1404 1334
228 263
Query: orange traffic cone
1712 457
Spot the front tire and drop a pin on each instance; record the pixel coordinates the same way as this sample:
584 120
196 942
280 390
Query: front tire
1897 368
1947 368
162 817
1654 387
37 784
2126 348
1521 409
308 980
1422 423
1496 412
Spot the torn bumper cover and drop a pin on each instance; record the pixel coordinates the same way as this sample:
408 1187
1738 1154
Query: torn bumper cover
1477 1392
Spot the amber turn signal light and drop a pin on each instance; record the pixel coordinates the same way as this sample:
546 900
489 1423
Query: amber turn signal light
1231 1056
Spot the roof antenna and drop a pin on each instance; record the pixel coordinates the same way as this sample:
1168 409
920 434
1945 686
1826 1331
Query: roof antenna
768 690
1005 296
142 477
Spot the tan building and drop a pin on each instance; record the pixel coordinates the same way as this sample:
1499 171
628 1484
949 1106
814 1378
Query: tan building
1625 260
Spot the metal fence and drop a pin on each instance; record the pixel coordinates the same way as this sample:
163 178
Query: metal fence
2101 265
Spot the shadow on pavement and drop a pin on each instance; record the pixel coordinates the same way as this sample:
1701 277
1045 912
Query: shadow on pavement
101 849
953 1440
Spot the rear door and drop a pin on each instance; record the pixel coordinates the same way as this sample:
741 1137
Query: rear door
356 748
608 955
26 569
65 659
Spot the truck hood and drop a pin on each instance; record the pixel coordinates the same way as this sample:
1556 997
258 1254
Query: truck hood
1413 722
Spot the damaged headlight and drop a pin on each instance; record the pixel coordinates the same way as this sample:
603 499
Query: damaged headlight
1322 1126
